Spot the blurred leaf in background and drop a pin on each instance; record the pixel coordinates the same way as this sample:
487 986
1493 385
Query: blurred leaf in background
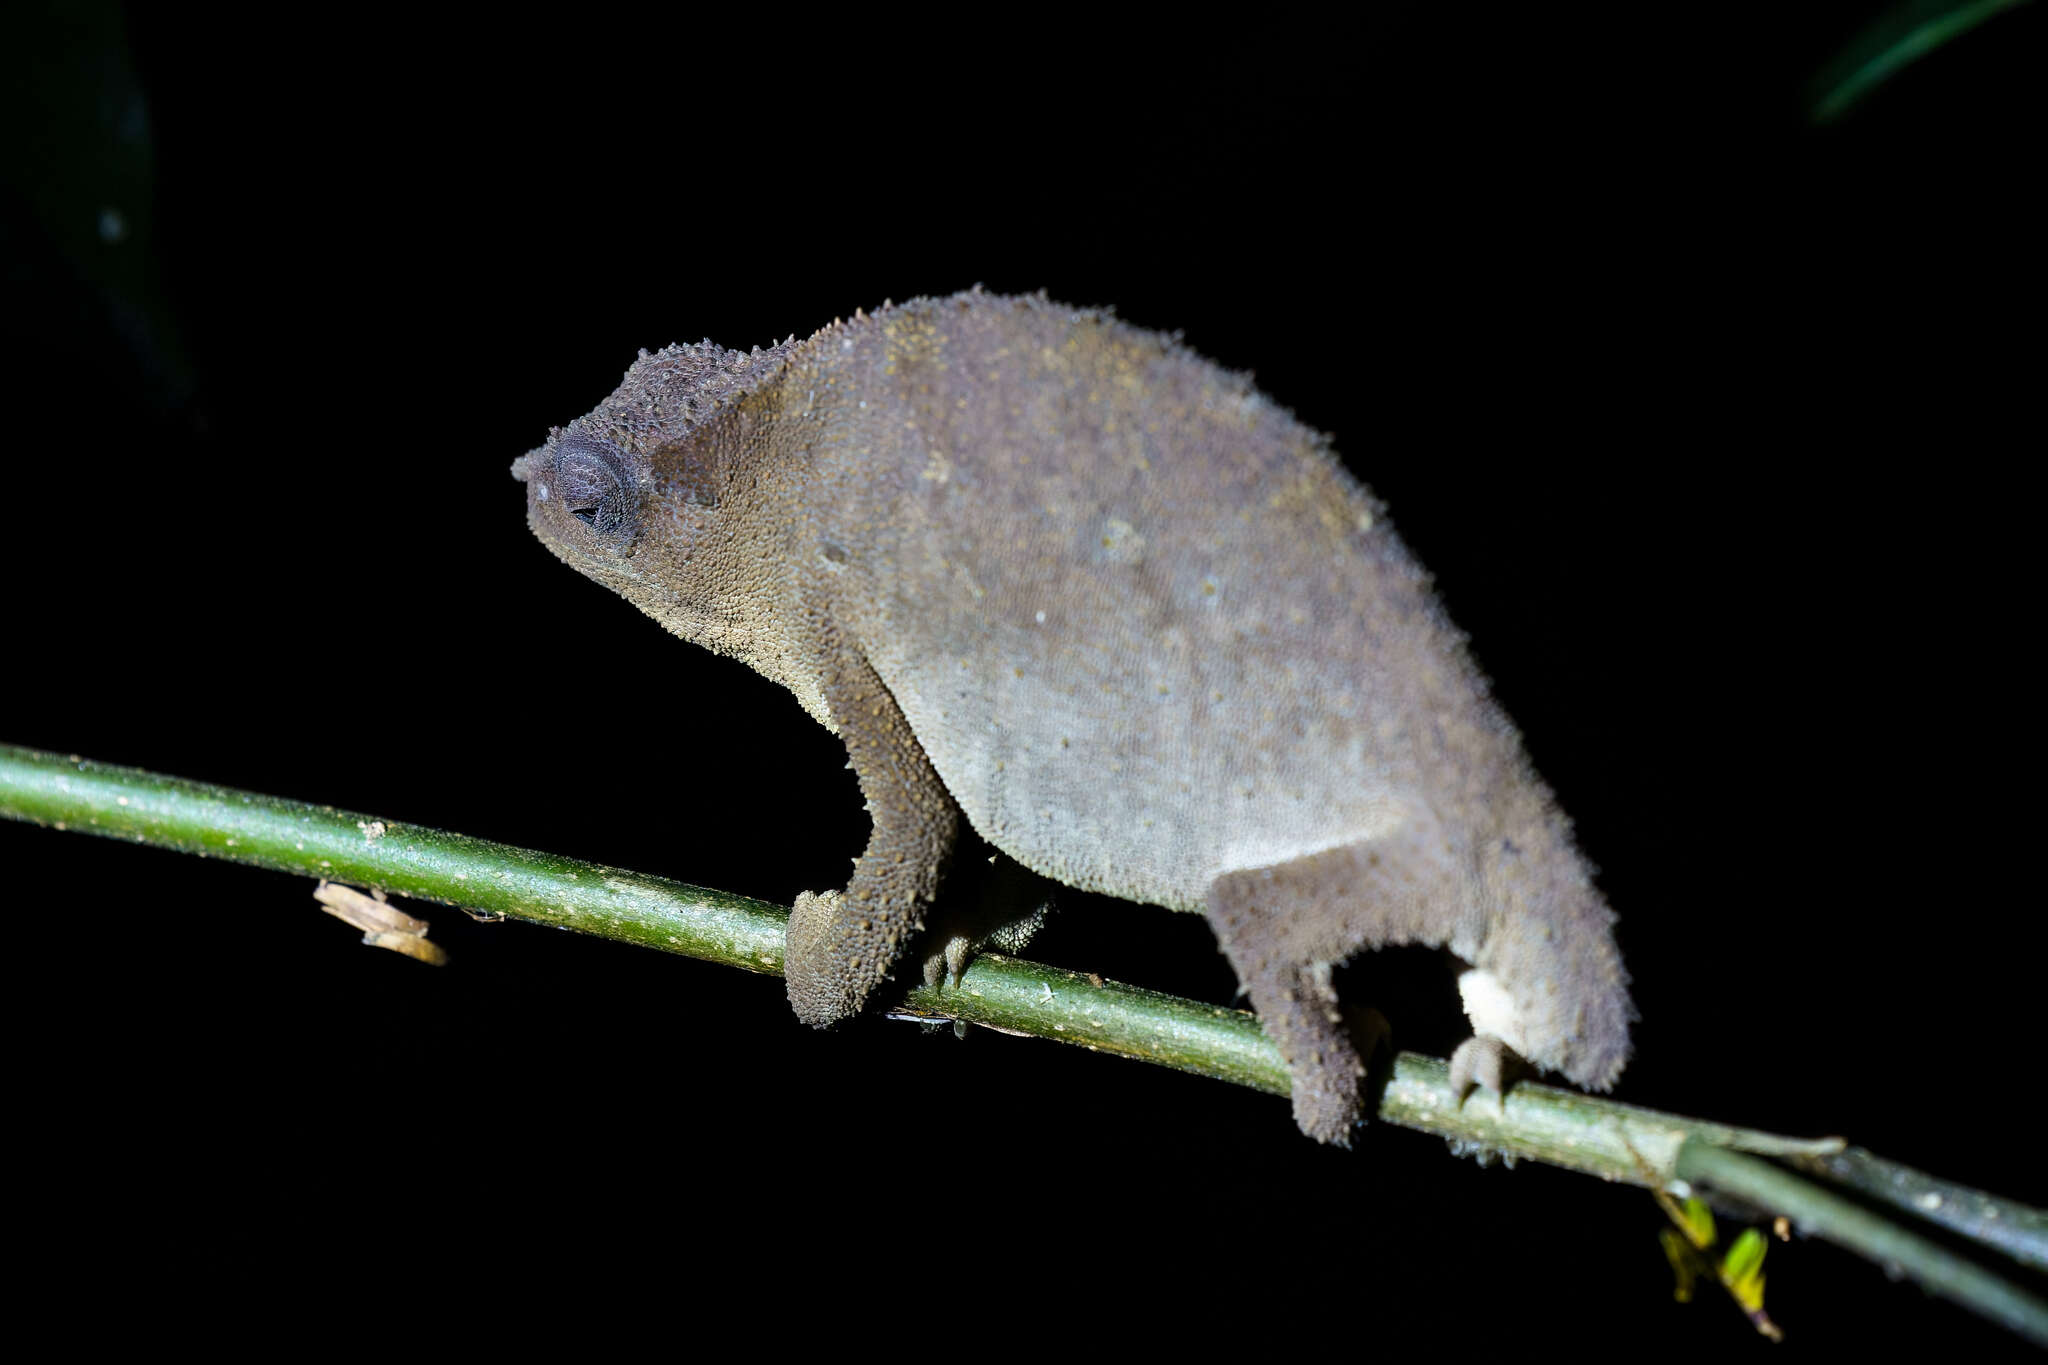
1893 41
77 185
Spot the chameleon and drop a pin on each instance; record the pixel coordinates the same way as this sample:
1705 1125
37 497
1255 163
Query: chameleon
1071 583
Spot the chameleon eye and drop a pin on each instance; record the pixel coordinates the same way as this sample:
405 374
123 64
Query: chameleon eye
590 487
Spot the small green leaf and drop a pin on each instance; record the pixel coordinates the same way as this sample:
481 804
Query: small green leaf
1742 1270
1683 1268
1699 1224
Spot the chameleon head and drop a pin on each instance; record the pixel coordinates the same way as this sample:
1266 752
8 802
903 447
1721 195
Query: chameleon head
629 493
603 507
638 495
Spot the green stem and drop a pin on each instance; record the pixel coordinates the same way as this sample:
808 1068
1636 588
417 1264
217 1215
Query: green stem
2013 1229
1561 1127
1893 1245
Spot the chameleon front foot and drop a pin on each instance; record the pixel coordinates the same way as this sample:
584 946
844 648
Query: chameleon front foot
818 988
1481 1060
948 959
995 903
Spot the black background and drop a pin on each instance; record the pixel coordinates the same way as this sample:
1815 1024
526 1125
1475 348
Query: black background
1708 422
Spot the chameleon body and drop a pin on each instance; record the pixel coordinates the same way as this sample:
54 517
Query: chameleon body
1074 583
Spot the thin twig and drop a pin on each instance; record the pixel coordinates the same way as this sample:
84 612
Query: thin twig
1536 1122
2018 1231
1893 1245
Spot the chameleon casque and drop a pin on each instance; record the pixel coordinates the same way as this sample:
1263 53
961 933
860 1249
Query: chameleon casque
1069 580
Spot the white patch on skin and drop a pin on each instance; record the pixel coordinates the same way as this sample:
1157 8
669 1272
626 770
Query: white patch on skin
1490 1008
